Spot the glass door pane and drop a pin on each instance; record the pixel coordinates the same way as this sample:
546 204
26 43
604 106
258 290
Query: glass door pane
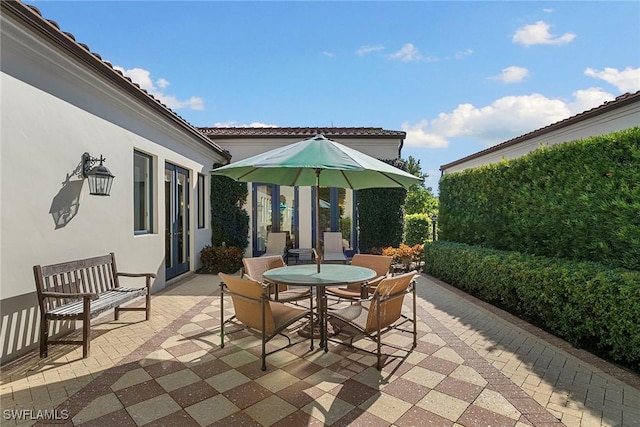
262 216
168 218
287 215
176 220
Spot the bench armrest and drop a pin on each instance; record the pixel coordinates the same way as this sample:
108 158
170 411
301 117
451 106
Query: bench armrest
149 276
91 296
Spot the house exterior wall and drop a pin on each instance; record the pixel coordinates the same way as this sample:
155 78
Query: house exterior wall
621 118
55 108
242 148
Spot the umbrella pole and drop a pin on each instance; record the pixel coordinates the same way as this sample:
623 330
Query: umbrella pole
318 218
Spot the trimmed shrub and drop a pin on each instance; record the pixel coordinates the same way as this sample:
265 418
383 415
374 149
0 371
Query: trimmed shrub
220 259
577 200
417 229
229 222
585 303
381 214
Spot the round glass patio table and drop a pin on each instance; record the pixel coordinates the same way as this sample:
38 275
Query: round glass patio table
329 275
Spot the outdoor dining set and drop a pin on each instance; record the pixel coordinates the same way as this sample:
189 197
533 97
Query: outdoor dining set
270 296
340 303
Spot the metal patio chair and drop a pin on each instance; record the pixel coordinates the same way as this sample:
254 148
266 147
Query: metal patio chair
254 310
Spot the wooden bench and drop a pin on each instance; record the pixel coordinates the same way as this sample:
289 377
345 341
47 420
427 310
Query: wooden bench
81 290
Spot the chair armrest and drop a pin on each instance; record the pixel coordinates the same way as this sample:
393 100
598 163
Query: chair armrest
89 295
374 282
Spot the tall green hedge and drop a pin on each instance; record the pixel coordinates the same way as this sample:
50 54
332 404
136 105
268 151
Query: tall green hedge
381 215
417 229
578 200
229 222
585 303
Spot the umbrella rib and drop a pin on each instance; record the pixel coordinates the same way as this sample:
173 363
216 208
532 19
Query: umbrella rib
346 179
295 178
394 180
245 174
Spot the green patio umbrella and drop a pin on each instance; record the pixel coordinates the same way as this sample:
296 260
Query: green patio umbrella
317 161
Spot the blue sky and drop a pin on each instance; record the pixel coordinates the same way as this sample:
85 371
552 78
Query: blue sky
457 76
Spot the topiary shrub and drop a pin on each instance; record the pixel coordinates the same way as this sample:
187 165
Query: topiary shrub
220 259
381 214
229 221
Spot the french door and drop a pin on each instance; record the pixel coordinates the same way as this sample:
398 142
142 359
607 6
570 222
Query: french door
176 186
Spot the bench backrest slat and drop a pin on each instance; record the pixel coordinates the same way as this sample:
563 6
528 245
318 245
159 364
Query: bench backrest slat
95 275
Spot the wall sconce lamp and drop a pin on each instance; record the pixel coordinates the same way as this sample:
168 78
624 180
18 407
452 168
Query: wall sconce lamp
99 177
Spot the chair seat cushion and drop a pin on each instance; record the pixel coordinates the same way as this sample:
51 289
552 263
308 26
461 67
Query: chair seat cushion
292 294
344 292
283 313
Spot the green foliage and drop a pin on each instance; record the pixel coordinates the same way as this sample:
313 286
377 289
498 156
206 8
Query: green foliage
381 215
345 228
417 229
585 303
229 222
578 200
420 199
220 259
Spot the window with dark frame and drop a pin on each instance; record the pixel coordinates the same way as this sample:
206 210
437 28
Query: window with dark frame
142 193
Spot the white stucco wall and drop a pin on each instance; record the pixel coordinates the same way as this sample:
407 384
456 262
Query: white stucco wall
621 118
53 110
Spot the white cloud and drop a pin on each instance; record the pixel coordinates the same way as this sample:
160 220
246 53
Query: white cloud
512 74
538 33
193 103
329 54
162 83
364 50
410 53
407 53
548 10
505 118
232 123
463 53
627 80
586 99
143 78
418 136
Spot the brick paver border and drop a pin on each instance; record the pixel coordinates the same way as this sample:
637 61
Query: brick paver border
609 368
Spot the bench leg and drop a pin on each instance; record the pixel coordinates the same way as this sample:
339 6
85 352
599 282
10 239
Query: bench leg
116 313
86 328
148 297
44 337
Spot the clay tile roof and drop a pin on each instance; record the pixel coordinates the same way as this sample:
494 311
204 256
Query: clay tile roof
31 16
301 132
620 101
